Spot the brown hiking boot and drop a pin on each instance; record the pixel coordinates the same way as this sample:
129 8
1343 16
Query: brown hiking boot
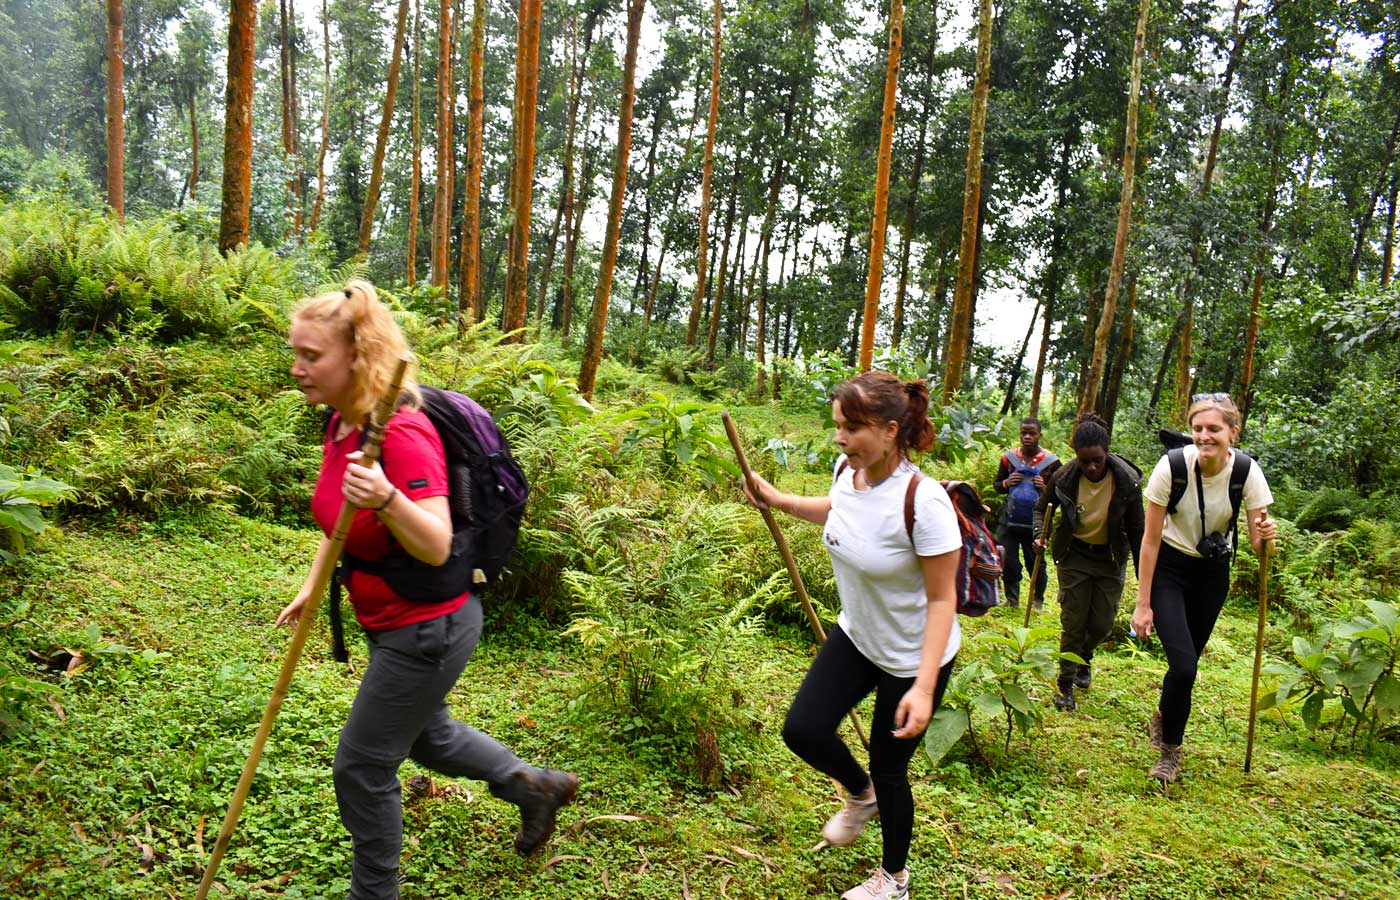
1154 730
545 791
1168 767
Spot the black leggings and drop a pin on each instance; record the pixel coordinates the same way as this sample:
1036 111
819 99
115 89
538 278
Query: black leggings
840 678
1187 595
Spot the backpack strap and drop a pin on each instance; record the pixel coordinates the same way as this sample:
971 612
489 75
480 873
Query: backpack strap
909 493
841 467
1239 473
1176 460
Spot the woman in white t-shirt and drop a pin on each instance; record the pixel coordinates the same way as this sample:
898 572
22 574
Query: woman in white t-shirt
897 633
1185 561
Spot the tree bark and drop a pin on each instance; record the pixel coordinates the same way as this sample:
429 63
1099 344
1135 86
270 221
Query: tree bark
960 326
416 178
598 319
1266 228
376 172
721 282
1120 365
194 149
442 193
325 119
876 272
527 73
1388 254
1365 224
702 261
289 119
1090 388
469 303
116 149
236 206
1020 362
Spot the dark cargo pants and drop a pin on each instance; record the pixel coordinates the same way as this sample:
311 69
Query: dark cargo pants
400 712
1091 587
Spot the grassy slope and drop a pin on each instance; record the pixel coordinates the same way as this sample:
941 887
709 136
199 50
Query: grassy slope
145 750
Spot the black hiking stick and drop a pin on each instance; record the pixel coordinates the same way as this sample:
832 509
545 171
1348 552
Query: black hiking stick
1265 552
1039 560
785 553
374 438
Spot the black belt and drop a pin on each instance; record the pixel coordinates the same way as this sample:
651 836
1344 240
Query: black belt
1093 549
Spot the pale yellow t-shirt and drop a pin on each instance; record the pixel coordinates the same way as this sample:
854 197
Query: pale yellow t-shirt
1183 530
1093 509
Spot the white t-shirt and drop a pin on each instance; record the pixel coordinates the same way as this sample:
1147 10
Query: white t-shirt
884 602
1183 529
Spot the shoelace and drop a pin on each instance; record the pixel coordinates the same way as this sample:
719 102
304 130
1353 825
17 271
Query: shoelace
879 880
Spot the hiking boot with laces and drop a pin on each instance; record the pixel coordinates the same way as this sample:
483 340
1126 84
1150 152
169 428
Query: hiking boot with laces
1154 730
842 829
1082 677
1064 698
1168 767
545 791
881 885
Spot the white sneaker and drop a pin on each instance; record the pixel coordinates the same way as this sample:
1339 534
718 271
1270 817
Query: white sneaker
842 829
881 885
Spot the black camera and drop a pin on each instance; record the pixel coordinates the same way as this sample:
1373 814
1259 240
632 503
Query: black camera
1213 546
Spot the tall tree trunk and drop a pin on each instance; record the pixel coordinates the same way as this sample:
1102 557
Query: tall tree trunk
907 232
936 348
471 307
1173 336
1120 365
960 325
643 264
442 193
721 279
416 180
598 319
1184 336
325 119
1090 388
289 119
298 176
702 259
561 217
1388 254
1365 224
527 73
116 144
236 206
193 143
1014 376
882 190
376 172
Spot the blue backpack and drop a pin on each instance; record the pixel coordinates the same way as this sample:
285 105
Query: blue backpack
1021 499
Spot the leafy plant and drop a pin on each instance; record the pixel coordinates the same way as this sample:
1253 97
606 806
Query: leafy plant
995 686
680 432
22 496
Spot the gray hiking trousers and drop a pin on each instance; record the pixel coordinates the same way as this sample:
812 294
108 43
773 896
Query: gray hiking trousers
400 712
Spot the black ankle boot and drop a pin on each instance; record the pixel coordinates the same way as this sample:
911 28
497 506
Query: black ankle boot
1064 699
545 790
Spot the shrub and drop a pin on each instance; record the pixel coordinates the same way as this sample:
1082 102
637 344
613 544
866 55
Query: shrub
22 497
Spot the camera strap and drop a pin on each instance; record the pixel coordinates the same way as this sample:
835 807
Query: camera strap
1201 499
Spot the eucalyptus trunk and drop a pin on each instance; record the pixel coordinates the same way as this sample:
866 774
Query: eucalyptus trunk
527 75
960 325
598 319
702 252
1104 333
876 272
116 143
325 119
416 177
236 201
376 172
289 117
470 303
442 194
1120 365
1388 253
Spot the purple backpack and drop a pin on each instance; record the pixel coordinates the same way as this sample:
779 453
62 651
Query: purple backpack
486 494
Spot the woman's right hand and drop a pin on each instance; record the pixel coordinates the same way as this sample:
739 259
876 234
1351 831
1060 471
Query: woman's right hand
760 492
1142 621
291 613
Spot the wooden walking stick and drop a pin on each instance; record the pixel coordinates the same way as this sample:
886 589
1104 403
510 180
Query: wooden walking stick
1265 552
785 553
1039 559
374 439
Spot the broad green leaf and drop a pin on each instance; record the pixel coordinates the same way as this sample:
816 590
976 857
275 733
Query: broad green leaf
1386 613
1016 697
943 732
1312 712
1387 695
988 703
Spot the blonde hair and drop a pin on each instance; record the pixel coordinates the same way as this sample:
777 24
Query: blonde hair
1220 402
365 323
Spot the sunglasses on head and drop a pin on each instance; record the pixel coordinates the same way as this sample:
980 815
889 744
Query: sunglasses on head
1215 396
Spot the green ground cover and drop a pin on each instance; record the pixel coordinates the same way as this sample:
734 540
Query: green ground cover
126 769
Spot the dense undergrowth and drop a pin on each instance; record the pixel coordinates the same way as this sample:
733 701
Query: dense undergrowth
646 634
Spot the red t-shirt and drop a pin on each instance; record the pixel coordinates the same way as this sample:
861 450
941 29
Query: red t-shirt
414 462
